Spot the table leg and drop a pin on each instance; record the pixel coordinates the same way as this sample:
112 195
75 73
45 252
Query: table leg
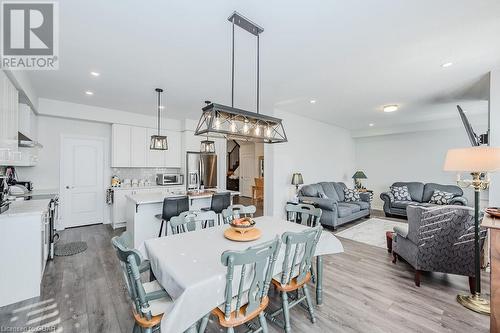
319 280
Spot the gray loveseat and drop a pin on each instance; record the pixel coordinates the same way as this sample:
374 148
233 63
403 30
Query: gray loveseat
335 210
420 194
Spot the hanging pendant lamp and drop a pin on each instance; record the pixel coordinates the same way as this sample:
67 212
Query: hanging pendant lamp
207 146
158 142
228 122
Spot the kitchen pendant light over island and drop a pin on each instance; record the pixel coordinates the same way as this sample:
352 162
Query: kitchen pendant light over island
158 142
228 122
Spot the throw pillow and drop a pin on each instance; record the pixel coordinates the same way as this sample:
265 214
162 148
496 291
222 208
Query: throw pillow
351 195
323 195
441 197
401 193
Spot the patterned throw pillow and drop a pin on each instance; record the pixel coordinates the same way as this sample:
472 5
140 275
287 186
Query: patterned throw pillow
441 197
401 193
351 195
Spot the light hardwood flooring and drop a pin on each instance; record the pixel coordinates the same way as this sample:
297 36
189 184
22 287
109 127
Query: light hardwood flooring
363 292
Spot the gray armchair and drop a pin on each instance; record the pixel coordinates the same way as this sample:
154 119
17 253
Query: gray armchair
438 239
420 194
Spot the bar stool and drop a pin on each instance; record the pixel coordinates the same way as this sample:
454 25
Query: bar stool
172 207
220 201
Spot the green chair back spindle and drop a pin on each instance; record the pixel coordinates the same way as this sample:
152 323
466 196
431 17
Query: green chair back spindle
191 221
124 254
132 264
236 211
304 214
254 267
299 252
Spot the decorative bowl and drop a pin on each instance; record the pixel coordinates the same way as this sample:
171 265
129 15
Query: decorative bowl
243 224
493 211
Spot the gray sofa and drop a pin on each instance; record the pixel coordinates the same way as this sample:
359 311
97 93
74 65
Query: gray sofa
438 239
420 194
335 210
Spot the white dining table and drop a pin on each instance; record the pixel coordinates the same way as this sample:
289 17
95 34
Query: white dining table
189 268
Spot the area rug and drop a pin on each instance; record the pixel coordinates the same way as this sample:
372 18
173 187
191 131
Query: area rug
371 232
69 249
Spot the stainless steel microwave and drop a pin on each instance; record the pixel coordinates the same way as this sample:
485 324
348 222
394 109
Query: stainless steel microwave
169 179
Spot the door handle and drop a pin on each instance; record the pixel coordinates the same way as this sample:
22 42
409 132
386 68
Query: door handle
69 187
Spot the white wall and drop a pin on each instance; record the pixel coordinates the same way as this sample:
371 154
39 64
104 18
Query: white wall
415 156
321 152
45 175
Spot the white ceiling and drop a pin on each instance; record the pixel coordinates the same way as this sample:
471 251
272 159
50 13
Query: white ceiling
352 56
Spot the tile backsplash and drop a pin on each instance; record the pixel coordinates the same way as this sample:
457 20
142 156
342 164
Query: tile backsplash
142 173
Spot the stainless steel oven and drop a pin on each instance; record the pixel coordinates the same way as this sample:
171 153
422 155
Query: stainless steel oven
169 179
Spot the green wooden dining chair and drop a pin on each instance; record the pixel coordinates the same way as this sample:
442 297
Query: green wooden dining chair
303 214
299 253
236 211
192 220
251 271
149 299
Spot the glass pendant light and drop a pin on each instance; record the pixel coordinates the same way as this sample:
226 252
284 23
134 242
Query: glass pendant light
158 142
207 146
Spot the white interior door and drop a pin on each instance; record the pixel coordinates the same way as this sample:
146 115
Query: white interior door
82 181
247 169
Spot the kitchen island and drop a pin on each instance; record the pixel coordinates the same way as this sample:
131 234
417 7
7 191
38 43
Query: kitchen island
142 208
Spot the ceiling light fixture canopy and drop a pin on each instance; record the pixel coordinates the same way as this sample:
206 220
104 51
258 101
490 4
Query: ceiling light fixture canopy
391 108
159 142
228 122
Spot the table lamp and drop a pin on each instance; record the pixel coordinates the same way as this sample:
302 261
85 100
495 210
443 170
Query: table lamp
297 180
358 175
477 161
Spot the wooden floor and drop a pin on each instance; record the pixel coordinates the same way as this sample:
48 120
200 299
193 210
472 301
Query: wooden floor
364 292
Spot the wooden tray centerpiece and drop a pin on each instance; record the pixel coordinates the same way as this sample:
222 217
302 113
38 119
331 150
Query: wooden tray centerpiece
242 230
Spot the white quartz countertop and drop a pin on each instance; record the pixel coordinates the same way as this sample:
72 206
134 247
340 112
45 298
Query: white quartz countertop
29 207
125 188
157 197
49 191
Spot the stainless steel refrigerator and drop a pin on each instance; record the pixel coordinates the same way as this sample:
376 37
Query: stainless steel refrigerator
201 169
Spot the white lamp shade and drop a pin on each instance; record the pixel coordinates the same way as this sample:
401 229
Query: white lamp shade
473 159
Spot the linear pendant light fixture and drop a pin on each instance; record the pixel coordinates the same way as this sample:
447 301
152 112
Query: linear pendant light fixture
158 142
228 122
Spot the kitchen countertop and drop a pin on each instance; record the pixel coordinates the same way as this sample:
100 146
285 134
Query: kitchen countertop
39 192
157 197
29 207
144 187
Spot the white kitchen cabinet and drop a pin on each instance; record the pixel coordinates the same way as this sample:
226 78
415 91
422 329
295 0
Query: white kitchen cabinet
9 105
139 147
173 154
120 143
27 121
23 239
130 148
118 217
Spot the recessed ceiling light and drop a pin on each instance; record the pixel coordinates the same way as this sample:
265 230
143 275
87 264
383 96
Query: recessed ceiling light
447 64
391 108
162 107
371 124
88 92
96 74
312 101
